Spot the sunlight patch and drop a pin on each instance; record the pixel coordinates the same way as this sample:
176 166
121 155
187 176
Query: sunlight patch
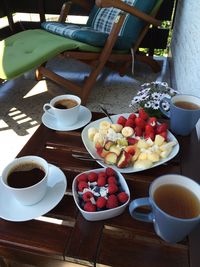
3 124
39 88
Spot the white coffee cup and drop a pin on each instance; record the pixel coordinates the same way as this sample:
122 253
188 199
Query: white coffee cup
64 108
19 174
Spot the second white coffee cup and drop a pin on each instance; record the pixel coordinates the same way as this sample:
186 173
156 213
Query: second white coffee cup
64 108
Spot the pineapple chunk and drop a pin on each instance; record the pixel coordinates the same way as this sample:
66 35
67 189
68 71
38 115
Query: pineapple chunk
159 140
143 156
153 156
164 154
142 144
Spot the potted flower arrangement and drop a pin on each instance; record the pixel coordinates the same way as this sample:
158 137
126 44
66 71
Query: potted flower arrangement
149 97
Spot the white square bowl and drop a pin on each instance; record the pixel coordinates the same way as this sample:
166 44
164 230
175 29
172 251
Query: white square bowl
104 214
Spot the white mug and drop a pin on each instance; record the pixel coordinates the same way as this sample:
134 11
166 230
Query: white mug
64 108
26 179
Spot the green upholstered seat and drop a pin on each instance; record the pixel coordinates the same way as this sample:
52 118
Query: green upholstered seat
26 50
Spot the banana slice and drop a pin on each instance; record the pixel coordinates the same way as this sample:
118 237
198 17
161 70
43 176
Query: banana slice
127 131
99 138
91 133
116 127
104 125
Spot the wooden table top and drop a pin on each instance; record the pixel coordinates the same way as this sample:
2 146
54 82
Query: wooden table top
120 241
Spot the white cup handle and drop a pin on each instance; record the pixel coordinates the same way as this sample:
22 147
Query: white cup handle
48 108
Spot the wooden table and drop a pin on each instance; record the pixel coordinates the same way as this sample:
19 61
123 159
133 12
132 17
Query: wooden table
121 241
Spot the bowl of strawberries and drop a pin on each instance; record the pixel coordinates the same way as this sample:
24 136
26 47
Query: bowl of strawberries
100 194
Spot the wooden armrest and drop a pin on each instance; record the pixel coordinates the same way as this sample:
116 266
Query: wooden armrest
64 11
130 9
67 5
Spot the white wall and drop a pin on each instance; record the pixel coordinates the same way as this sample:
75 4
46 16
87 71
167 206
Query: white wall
185 47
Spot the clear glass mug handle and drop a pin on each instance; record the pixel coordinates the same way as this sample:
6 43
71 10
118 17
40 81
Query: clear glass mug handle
140 202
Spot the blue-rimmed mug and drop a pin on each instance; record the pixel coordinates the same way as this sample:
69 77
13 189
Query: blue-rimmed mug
184 113
169 227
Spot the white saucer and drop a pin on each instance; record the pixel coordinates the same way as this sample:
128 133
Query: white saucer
12 210
84 117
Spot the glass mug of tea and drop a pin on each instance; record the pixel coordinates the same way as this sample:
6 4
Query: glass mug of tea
26 179
64 108
174 201
184 113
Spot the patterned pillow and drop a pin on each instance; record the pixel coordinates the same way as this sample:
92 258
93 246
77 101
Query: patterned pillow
105 17
102 19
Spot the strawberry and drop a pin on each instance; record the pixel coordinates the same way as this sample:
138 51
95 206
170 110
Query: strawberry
140 122
82 177
82 185
122 197
89 207
132 140
149 129
121 120
101 202
101 181
130 122
112 180
112 188
87 196
150 135
102 174
112 202
132 116
142 114
138 131
161 128
164 135
92 176
110 172
153 122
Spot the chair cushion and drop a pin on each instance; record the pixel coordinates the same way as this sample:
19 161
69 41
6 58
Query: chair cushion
26 50
100 23
76 32
102 20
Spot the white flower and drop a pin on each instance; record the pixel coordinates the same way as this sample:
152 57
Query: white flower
144 91
148 104
150 95
155 104
137 99
165 106
156 95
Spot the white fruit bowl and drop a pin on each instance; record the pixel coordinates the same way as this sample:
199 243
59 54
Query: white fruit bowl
102 214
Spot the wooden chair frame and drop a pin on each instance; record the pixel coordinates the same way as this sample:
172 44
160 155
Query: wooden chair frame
105 57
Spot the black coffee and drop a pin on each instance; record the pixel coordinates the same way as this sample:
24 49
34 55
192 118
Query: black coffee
25 175
65 103
177 201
